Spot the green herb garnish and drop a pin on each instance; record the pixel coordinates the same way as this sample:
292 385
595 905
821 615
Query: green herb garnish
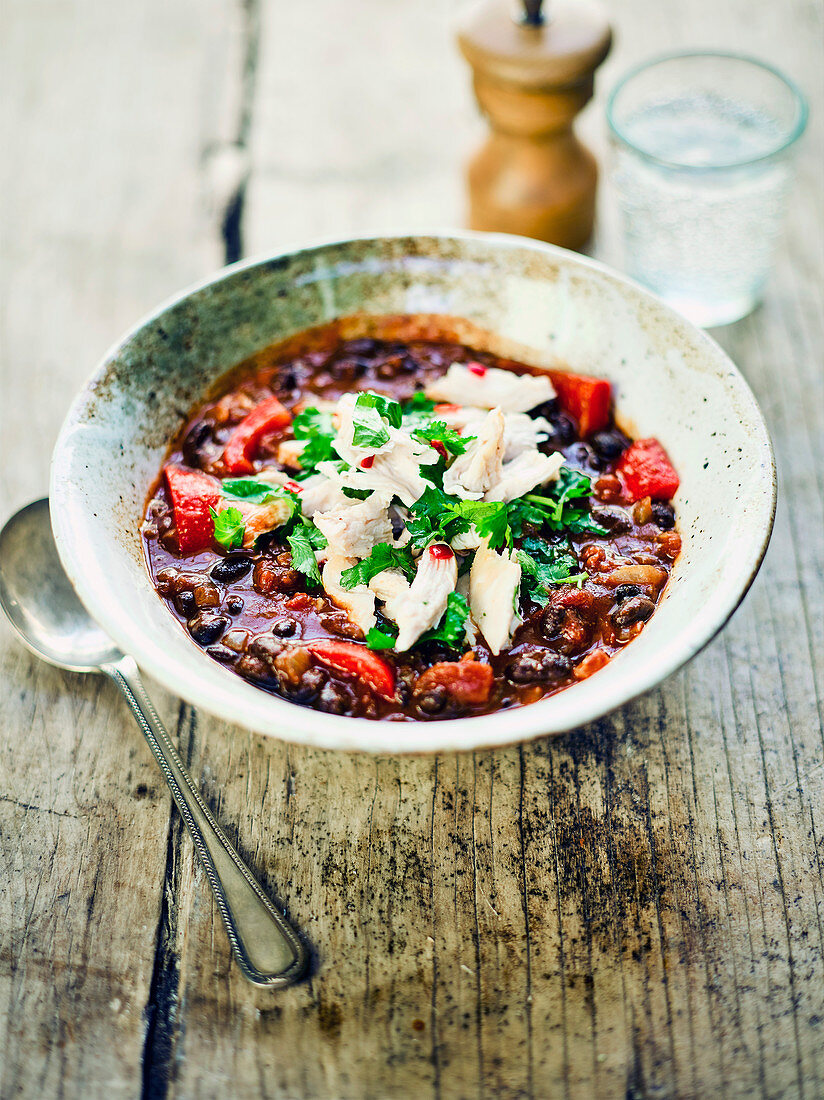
230 527
451 630
381 558
544 564
438 432
387 408
316 428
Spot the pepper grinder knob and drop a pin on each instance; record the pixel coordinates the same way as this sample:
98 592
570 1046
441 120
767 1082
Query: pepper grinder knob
533 176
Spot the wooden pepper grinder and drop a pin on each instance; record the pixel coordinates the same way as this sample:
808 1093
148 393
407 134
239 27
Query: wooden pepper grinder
531 78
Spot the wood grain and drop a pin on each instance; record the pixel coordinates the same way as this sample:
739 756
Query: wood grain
633 910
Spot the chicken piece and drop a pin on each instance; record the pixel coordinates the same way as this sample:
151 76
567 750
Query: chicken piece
391 587
395 472
524 433
321 494
357 526
357 602
494 581
260 518
523 473
521 432
421 606
491 388
462 588
345 424
480 466
289 452
467 540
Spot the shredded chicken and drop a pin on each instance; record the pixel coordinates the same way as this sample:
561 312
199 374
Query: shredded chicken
355 528
289 452
260 518
321 494
491 387
494 581
481 464
420 607
391 587
521 432
524 473
357 602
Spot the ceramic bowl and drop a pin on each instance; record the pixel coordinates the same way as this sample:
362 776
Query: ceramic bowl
670 380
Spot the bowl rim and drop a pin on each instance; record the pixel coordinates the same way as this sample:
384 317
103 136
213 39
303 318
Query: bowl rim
316 729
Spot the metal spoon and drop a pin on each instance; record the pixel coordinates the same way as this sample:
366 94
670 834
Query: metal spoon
44 610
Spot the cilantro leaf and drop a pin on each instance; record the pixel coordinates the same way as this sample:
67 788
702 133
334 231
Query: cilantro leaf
380 639
316 428
451 630
255 492
387 408
303 552
563 508
230 527
544 564
438 432
382 557
367 434
418 403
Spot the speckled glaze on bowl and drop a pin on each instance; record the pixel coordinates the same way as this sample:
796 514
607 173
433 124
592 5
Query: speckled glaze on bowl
670 379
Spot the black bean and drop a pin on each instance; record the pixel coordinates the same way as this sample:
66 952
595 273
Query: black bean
198 443
234 605
625 591
551 620
335 698
635 610
266 646
206 627
307 686
538 666
584 456
616 521
186 604
364 345
610 443
231 568
284 628
222 653
433 700
663 515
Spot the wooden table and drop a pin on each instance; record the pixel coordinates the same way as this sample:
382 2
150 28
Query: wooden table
635 909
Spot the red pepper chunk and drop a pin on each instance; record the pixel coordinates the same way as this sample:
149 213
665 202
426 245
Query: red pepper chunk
355 660
268 416
585 398
646 471
192 494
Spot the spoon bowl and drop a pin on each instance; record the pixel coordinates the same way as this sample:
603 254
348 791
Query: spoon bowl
39 601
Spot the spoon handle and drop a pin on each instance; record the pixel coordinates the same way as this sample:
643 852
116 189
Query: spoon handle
265 946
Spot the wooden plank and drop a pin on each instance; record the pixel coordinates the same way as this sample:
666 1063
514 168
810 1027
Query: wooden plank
113 117
635 909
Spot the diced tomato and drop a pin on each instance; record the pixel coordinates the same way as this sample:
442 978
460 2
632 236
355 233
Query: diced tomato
646 471
268 416
444 409
368 462
355 660
477 368
439 447
585 398
192 494
466 681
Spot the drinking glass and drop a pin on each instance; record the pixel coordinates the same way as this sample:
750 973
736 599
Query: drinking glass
702 149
